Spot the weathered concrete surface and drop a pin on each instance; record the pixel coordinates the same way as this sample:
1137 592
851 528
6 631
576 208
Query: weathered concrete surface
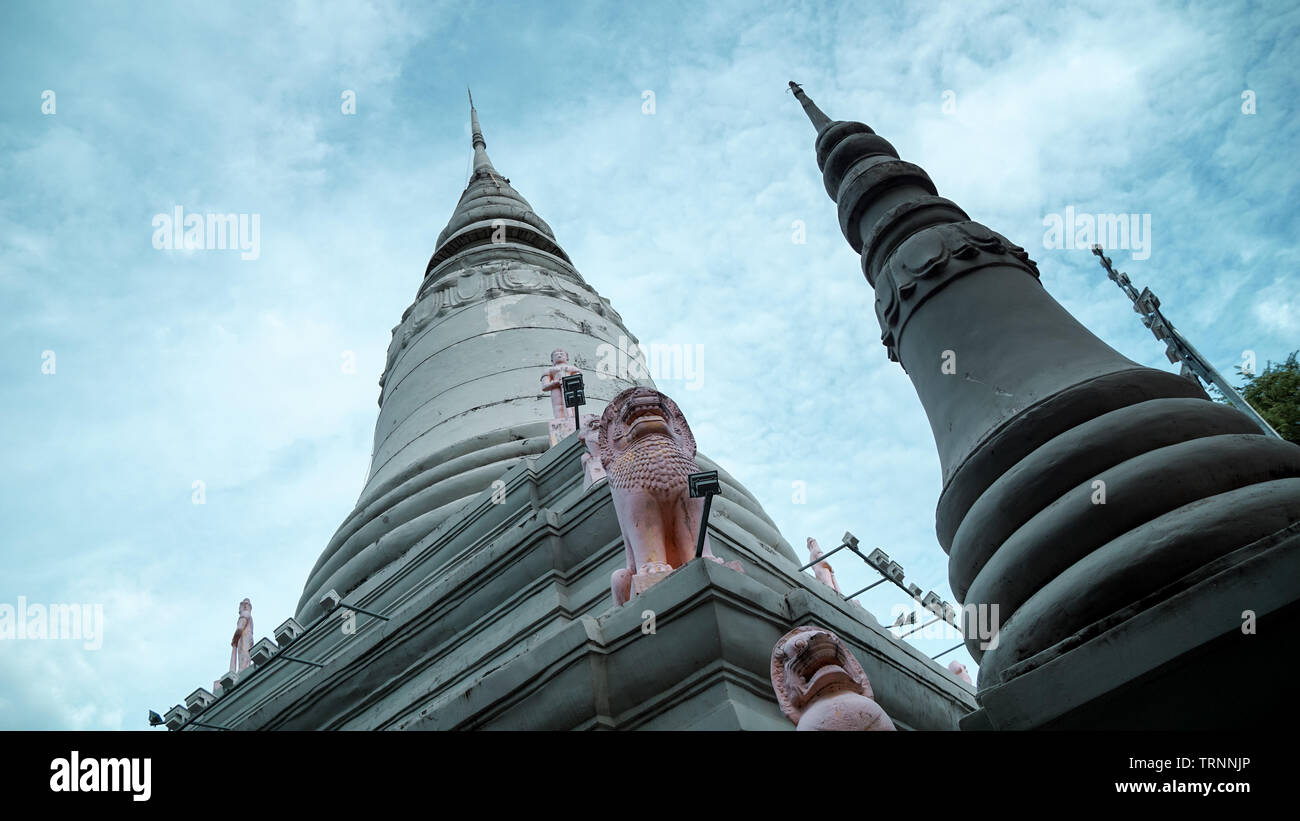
498 598
502 618
1177 662
460 398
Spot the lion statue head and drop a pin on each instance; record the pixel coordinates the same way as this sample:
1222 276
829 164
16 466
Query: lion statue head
809 662
638 414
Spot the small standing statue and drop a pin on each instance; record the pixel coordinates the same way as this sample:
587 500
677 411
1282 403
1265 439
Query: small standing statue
242 644
822 570
959 670
820 685
561 423
592 470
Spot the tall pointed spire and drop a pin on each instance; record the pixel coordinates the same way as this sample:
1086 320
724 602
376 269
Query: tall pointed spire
1044 411
490 210
480 542
459 401
481 161
819 120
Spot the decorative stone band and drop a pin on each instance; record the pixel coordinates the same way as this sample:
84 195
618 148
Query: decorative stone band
482 281
503 253
927 261
913 242
487 198
487 280
496 231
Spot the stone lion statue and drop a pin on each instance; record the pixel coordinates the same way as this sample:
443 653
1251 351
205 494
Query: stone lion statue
821 686
648 451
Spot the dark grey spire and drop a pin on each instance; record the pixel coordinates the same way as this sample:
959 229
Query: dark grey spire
819 120
1036 421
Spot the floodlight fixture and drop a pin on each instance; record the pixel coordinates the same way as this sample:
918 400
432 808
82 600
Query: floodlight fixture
574 395
287 632
199 700
906 619
330 599
931 601
704 484
851 542
176 717
949 613
922 627
895 572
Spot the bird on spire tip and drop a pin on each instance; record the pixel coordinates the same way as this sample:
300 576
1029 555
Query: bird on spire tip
819 120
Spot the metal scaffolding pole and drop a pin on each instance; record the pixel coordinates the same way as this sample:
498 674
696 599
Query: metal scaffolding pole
1179 349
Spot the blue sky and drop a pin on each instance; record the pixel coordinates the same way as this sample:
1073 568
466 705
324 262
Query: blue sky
175 366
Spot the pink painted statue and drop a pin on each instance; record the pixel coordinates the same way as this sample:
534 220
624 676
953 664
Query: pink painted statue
822 570
959 670
551 381
648 452
242 644
821 686
592 470
561 417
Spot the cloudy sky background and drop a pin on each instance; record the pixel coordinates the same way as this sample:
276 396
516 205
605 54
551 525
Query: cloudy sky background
174 367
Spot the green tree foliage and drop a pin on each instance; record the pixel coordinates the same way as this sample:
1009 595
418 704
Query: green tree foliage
1275 394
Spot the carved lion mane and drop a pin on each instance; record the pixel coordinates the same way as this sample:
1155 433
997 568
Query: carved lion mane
793 669
613 428
646 443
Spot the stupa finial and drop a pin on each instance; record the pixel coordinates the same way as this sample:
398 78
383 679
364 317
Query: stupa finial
480 144
819 119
